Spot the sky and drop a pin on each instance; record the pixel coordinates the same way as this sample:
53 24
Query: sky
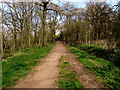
76 3
81 3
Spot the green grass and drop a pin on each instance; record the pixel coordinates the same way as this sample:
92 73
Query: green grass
19 66
67 78
109 73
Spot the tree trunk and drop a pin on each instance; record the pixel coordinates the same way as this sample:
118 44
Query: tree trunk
89 37
1 44
15 40
1 39
86 37
44 21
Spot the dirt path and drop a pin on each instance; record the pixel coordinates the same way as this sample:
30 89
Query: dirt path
46 74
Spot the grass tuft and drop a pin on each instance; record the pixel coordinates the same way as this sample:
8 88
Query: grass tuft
67 78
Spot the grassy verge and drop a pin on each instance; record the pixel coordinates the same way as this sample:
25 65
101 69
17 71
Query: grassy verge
109 55
109 73
67 78
19 66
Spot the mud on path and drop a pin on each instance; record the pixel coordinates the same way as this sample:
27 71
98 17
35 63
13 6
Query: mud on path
46 74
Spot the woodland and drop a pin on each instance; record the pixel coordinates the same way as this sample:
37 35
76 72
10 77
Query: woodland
30 27
27 24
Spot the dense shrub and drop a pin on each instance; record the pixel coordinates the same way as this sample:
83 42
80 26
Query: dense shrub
109 55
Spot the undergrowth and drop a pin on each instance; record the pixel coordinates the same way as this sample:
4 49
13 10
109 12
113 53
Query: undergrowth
109 55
